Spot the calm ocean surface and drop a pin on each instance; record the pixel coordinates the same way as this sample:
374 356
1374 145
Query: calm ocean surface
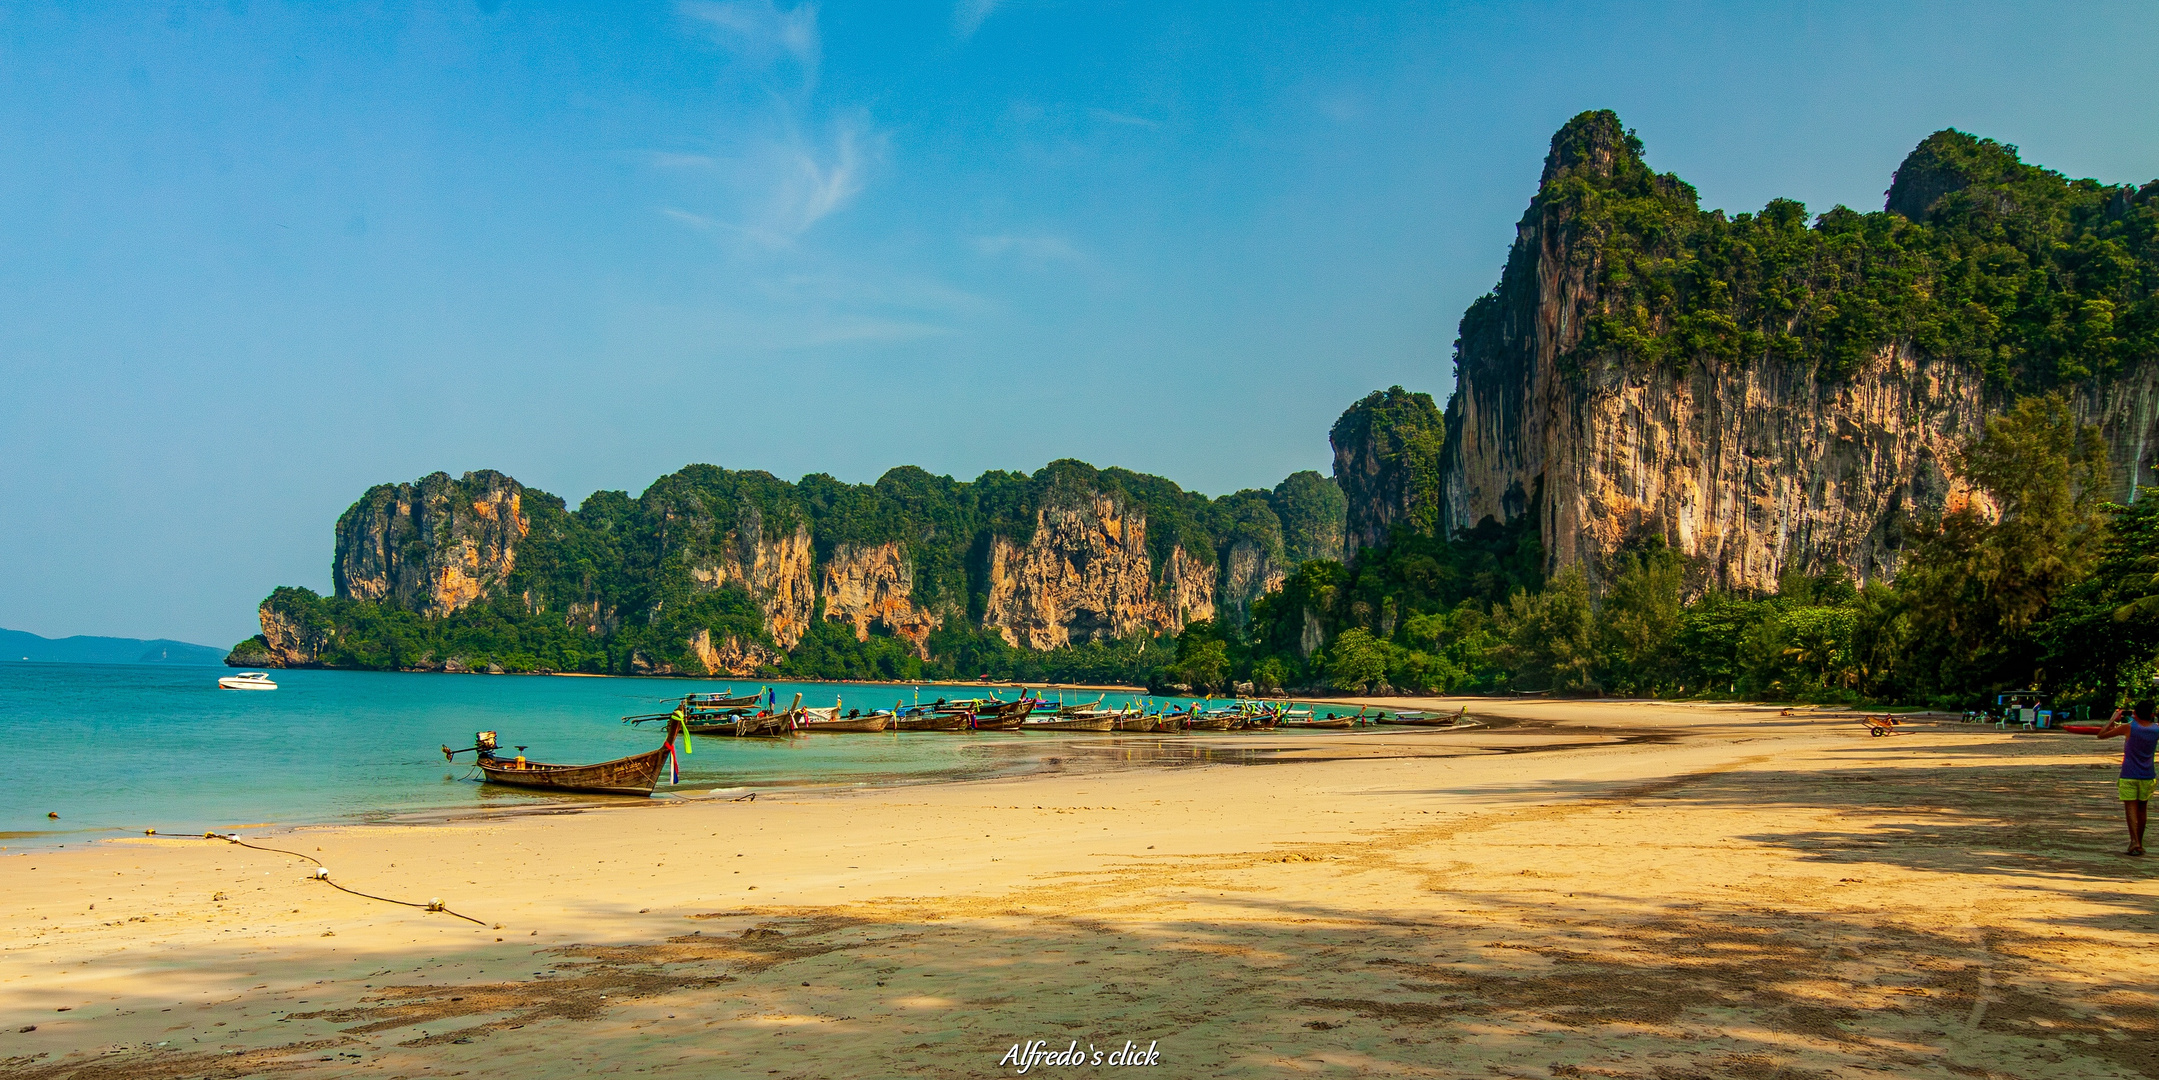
122 749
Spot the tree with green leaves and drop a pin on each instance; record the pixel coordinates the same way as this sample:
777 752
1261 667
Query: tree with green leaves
1979 580
1356 661
1551 636
1639 620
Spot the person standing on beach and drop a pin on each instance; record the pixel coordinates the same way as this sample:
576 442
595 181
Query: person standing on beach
2137 774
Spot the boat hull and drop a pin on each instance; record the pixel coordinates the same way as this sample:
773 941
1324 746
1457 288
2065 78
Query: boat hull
932 723
1100 723
749 727
633 775
862 724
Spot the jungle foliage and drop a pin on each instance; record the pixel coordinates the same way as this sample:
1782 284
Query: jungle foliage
621 585
2040 583
2034 279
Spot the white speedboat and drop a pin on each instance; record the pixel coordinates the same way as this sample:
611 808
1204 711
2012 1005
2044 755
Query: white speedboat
247 680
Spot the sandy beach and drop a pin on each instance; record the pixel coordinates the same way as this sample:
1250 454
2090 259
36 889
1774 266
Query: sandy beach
1606 889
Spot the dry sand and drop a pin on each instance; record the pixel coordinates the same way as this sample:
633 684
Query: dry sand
1597 889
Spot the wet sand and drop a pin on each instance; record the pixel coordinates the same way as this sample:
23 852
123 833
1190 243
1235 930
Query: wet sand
1578 889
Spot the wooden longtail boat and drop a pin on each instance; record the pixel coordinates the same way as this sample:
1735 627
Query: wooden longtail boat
633 775
695 707
1418 719
720 701
1209 722
751 725
742 724
1085 707
870 724
1088 723
1337 722
932 722
1003 715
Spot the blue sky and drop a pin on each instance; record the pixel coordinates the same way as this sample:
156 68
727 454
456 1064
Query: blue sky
259 256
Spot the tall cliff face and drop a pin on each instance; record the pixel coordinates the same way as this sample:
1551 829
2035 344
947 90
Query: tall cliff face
874 585
288 641
715 571
774 570
1085 575
1749 415
1314 516
1387 463
1249 571
713 529
434 546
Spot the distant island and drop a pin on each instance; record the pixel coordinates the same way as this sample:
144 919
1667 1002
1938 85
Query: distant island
18 646
1886 456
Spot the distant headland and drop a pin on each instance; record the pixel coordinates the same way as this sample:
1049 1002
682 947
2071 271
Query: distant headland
19 646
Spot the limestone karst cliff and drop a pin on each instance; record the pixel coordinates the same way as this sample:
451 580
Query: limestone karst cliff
873 586
288 639
1768 392
1386 462
433 546
1085 575
717 572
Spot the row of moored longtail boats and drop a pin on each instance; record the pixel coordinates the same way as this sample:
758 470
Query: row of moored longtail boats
756 716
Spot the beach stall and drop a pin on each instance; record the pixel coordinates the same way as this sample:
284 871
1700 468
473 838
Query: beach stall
2024 708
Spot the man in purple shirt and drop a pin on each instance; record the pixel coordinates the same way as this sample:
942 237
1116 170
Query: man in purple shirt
2137 774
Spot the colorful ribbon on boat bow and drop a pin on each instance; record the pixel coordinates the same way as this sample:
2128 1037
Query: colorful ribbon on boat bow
689 746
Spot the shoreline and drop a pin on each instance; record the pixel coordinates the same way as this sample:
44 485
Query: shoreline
1633 890
1069 754
1112 688
1073 753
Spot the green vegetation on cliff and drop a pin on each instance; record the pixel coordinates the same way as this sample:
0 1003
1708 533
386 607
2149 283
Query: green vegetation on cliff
2041 284
706 559
2050 588
1387 460
2034 279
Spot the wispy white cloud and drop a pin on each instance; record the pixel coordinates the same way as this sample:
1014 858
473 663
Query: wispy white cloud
761 31
1108 117
783 184
1035 249
696 221
968 15
823 186
786 169
761 180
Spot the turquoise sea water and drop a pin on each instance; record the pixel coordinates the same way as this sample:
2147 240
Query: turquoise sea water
120 749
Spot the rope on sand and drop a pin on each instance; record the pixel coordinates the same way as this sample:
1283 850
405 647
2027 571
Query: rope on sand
322 874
